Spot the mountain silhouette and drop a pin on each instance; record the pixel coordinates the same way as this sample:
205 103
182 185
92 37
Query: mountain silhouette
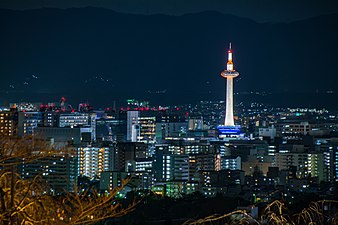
100 55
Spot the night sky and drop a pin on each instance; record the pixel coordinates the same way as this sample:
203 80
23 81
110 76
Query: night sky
170 51
259 10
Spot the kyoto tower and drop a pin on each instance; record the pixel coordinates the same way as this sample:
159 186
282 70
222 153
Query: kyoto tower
229 74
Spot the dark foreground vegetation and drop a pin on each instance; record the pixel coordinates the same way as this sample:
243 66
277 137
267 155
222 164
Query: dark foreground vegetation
196 209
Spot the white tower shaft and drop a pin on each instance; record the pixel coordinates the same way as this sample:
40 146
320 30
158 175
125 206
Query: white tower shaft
229 113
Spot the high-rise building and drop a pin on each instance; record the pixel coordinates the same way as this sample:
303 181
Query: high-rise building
132 119
170 125
85 120
9 122
170 167
211 162
307 164
127 153
28 122
58 171
94 160
147 129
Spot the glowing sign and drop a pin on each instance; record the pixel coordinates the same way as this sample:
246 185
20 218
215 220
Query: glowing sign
229 129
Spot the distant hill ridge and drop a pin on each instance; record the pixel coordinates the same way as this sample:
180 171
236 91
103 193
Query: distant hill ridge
181 54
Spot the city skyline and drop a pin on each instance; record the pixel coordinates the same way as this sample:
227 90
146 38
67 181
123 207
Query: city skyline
129 111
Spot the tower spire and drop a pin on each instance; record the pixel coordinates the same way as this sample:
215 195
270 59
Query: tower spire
230 65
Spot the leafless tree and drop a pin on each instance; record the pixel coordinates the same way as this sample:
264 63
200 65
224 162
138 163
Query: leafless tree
322 212
27 201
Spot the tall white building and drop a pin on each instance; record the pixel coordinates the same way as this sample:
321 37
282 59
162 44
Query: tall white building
147 129
93 161
132 120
